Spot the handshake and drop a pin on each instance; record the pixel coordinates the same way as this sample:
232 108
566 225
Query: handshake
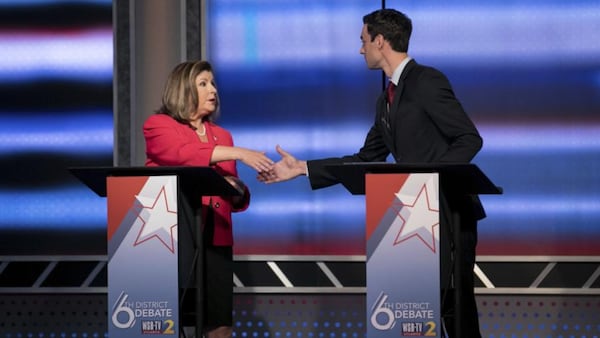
268 171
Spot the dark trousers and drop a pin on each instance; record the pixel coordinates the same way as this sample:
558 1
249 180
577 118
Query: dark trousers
469 317
457 258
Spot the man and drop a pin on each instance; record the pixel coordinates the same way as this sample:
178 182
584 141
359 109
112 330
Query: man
419 121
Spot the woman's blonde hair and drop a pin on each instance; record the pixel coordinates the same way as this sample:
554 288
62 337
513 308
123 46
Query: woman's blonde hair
180 96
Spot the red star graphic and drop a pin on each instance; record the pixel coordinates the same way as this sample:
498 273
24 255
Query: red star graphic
420 221
159 222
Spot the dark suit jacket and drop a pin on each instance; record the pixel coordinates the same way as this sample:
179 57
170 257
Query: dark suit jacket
427 124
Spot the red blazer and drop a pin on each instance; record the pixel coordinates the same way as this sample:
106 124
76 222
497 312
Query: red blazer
170 143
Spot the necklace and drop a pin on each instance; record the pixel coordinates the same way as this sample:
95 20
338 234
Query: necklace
203 133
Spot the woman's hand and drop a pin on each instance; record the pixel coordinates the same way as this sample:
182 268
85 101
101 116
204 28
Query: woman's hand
235 182
256 160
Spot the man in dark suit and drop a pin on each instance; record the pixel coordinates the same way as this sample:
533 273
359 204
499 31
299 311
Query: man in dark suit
418 119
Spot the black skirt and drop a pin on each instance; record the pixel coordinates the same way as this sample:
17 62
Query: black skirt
217 286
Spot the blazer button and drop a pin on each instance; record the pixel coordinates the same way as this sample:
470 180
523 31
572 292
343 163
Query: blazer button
217 205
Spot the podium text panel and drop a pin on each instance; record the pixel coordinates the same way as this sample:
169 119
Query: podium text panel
142 257
403 265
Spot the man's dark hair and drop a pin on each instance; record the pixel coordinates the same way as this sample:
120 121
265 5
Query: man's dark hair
393 25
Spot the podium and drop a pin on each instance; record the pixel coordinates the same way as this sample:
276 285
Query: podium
411 228
155 244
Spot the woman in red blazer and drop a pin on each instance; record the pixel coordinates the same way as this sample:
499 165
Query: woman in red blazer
183 133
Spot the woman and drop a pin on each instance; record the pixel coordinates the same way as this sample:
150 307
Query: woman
183 133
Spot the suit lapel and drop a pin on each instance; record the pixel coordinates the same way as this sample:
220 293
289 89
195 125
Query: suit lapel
399 89
397 94
382 108
395 106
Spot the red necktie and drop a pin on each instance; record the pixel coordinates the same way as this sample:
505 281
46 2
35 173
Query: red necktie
391 89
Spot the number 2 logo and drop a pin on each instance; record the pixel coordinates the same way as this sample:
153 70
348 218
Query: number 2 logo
430 329
169 329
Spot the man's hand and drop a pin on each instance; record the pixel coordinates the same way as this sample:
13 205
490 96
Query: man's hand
286 169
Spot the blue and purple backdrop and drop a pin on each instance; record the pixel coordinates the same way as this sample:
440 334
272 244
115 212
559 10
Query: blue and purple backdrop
289 73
